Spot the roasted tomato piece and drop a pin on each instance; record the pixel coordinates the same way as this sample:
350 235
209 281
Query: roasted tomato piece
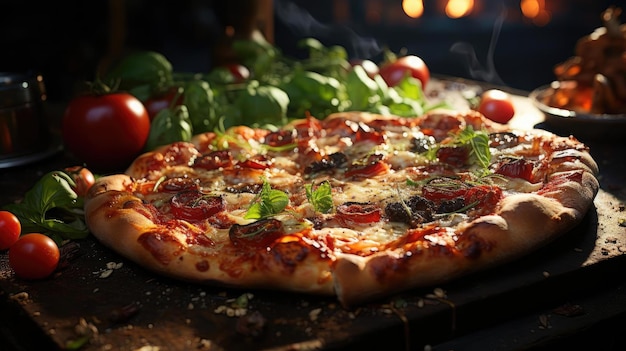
359 212
195 205
255 163
441 189
214 160
367 134
261 233
516 168
456 156
371 166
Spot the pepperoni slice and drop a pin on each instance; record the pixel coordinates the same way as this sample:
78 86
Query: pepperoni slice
195 205
261 233
280 138
214 160
178 184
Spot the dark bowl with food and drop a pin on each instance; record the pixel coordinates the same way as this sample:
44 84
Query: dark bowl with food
583 125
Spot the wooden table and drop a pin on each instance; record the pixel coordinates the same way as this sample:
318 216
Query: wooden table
572 291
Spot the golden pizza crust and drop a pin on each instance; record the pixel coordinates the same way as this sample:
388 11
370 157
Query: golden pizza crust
522 224
124 229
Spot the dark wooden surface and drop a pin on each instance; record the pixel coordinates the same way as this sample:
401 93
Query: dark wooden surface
571 292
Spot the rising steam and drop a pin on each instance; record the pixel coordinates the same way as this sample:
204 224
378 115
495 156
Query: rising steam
476 70
303 24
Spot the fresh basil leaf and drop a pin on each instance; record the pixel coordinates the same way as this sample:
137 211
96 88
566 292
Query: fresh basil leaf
53 208
320 197
269 202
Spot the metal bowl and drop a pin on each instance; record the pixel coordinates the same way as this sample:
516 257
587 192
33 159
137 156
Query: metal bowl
24 132
579 124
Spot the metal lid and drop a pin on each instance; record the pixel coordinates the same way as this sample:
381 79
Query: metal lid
20 88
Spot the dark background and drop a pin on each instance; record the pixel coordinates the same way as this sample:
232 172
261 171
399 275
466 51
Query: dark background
65 40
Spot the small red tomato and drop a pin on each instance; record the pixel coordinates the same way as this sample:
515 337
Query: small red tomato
10 228
239 72
34 256
83 178
160 101
105 131
496 105
394 72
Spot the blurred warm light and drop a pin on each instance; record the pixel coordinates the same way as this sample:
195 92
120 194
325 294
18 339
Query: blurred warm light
459 8
535 10
413 8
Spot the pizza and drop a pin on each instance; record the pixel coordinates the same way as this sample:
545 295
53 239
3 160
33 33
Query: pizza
358 206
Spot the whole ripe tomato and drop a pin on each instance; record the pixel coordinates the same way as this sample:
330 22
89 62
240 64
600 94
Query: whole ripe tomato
105 131
162 100
10 228
496 105
393 72
34 256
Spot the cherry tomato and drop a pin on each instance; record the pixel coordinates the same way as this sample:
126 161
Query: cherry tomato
239 72
160 101
34 256
496 105
105 131
83 178
394 72
10 228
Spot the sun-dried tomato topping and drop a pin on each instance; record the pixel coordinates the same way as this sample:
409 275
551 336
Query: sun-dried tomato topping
258 162
359 212
455 156
365 133
261 233
370 167
479 198
194 205
516 168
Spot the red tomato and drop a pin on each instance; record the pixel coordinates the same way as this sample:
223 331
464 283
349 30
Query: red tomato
34 256
239 72
10 228
154 104
83 178
105 131
394 72
496 105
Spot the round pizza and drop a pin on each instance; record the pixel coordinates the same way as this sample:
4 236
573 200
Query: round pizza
356 205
